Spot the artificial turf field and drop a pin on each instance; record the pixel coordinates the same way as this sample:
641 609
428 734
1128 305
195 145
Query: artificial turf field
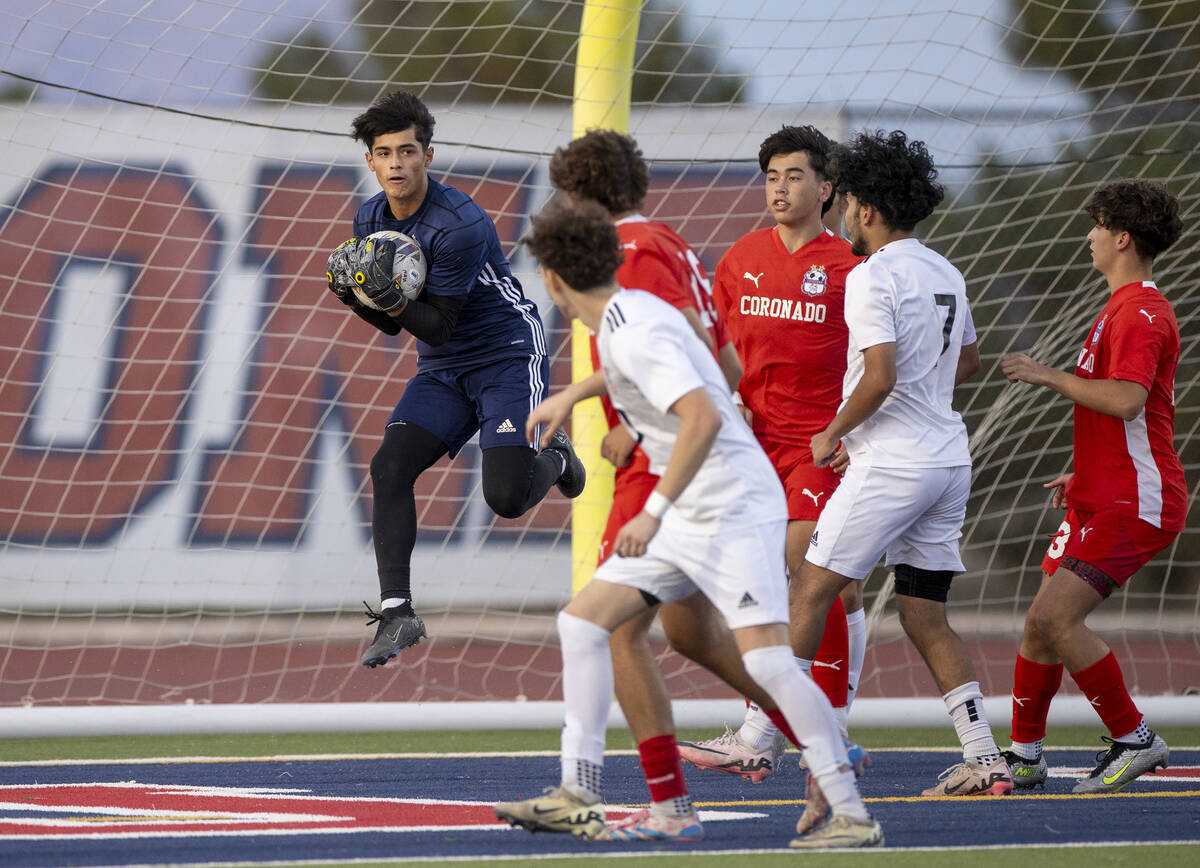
422 798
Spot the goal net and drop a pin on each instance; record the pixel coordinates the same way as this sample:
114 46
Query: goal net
187 417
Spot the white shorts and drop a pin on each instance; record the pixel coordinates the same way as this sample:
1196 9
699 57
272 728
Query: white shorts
914 515
741 570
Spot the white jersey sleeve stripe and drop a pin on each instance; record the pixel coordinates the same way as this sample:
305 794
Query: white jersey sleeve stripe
1149 477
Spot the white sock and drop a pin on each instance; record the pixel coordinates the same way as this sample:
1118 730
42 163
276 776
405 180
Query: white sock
587 695
809 714
842 716
680 806
1141 735
1028 750
757 731
965 704
856 626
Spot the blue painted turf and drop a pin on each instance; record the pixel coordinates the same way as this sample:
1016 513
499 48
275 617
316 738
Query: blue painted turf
1149 810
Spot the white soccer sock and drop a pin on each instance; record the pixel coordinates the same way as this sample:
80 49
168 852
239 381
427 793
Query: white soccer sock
1028 750
587 695
809 714
965 704
757 731
1141 735
856 627
680 806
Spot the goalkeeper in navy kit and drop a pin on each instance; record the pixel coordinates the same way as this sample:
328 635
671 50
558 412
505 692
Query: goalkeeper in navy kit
481 353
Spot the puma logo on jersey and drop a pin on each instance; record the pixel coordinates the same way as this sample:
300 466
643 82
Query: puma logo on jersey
815 497
629 245
1148 316
754 277
507 427
1084 531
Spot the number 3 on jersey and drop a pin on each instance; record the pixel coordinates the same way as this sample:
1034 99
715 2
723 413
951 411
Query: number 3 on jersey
1059 544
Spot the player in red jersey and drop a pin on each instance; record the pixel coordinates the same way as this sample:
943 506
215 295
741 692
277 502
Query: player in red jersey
1127 498
779 292
608 167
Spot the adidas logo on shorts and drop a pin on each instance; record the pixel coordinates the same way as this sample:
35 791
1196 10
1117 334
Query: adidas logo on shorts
747 601
506 427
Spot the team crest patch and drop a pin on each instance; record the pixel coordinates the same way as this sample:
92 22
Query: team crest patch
814 280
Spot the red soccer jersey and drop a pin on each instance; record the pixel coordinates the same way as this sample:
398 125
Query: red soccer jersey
1131 465
658 261
784 314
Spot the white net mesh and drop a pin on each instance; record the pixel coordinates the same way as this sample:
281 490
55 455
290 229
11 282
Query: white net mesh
186 419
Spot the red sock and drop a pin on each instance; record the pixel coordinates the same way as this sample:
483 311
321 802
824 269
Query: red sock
1104 686
1034 685
780 721
660 764
831 669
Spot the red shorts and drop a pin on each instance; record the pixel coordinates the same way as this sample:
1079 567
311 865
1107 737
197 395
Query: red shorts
631 486
807 487
1116 543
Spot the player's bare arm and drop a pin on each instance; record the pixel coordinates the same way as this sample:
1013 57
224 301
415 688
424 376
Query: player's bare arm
617 446
553 412
731 367
1060 485
693 318
878 380
727 357
1121 398
968 364
699 422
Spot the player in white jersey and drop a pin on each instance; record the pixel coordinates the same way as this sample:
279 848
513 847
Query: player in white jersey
904 493
714 524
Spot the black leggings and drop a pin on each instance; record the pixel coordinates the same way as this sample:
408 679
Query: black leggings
515 478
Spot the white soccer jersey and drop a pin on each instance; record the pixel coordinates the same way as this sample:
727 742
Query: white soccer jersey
651 357
907 294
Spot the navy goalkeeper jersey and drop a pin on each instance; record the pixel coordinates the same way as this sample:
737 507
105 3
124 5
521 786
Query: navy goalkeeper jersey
463 254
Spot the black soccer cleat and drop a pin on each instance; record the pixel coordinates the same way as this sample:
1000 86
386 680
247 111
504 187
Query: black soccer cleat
399 628
571 482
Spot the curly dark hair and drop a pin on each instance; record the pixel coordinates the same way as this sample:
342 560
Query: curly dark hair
894 176
575 238
1144 209
603 165
394 112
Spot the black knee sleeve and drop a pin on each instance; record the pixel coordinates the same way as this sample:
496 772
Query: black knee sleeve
925 584
508 473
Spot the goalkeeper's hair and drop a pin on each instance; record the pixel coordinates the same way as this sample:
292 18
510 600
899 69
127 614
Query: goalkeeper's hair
894 176
576 239
394 112
791 140
603 165
1144 209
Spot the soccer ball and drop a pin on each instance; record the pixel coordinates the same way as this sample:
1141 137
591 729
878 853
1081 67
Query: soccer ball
408 266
